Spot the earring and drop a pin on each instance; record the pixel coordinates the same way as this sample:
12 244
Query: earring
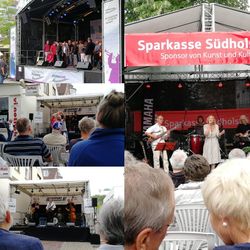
224 224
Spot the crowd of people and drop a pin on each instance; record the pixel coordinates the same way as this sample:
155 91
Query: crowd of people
72 52
152 195
101 142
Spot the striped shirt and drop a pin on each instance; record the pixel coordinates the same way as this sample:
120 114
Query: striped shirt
27 145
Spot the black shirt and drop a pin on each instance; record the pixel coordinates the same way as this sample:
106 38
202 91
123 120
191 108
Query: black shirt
242 128
177 178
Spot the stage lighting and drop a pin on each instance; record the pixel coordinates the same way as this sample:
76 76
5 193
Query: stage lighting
68 189
180 86
17 192
220 85
76 189
247 84
148 86
32 191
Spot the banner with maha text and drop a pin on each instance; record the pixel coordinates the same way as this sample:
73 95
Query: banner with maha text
228 118
173 49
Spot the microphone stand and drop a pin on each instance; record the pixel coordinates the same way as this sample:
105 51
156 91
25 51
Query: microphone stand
222 139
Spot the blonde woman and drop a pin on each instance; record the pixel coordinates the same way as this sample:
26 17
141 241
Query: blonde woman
211 148
226 193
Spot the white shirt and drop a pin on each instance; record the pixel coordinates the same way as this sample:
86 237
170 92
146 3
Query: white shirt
51 206
157 130
189 193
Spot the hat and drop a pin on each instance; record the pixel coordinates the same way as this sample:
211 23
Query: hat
57 125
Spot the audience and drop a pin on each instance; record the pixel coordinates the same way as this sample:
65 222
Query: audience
55 137
196 168
226 193
105 146
111 220
236 153
12 241
149 206
177 162
86 125
25 144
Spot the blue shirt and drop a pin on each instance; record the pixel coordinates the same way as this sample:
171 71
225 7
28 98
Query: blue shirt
105 147
27 145
12 241
242 246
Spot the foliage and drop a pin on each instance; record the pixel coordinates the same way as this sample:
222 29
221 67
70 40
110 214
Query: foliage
7 19
141 9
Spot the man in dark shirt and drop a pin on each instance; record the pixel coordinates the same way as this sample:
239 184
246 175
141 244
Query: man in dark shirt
25 144
89 50
242 136
3 69
12 241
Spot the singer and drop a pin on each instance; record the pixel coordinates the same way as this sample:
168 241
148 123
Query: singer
211 148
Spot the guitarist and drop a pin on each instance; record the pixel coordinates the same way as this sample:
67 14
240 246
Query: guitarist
35 211
158 133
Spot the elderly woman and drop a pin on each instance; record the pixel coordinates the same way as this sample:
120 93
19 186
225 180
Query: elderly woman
196 168
105 146
177 162
236 153
226 193
149 206
211 148
111 219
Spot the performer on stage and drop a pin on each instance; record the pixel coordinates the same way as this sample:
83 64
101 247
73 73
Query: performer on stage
35 211
211 148
158 133
243 129
199 125
50 208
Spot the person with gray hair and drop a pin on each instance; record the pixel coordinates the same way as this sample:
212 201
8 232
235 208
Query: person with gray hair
149 206
12 241
86 126
111 227
226 193
177 162
196 168
236 153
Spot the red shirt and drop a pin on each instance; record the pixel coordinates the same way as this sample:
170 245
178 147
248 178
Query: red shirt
53 49
46 47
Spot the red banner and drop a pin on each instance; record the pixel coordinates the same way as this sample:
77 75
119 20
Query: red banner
229 118
169 49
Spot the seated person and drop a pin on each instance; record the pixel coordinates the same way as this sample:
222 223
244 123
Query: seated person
25 144
226 193
86 125
196 168
149 206
236 153
105 146
111 220
55 137
2 138
50 209
177 162
243 127
13 241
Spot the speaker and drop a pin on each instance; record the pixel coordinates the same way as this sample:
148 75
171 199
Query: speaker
31 116
41 63
94 202
60 64
82 65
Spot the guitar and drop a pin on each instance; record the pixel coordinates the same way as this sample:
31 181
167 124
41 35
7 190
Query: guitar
150 139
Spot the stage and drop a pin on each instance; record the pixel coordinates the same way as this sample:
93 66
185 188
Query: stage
56 233
50 74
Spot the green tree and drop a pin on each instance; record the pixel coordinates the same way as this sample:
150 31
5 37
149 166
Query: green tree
7 19
140 9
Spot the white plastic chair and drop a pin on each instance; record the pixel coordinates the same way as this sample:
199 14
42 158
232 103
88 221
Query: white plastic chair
23 160
188 241
192 218
56 151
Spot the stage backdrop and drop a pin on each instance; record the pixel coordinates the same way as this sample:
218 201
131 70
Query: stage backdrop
164 49
229 118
